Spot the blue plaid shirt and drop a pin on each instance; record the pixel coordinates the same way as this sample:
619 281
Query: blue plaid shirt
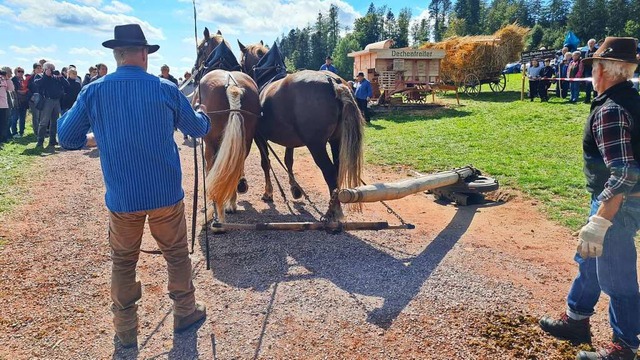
133 115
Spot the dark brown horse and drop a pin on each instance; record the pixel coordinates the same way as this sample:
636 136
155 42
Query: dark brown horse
309 108
231 98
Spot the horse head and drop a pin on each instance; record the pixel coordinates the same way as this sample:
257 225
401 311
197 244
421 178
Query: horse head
251 54
205 47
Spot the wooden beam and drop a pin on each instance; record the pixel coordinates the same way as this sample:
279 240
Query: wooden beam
400 189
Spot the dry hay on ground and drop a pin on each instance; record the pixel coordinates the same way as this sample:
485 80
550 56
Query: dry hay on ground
482 55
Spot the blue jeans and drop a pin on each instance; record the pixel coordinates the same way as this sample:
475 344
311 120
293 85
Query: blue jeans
613 273
575 90
17 120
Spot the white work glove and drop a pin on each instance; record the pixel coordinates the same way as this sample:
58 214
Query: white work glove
591 237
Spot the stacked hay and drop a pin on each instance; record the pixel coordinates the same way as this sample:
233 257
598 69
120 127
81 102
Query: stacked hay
481 55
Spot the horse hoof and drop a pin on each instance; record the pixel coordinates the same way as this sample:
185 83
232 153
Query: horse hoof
296 192
243 186
267 198
230 210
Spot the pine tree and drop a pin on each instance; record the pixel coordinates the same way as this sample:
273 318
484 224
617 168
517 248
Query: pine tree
404 19
342 62
617 18
599 19
580 18
467 13
389 27
333 31
420 32
439 11
557 13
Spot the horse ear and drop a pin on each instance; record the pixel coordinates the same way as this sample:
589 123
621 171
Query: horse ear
219 33
207 36
261 43
242 47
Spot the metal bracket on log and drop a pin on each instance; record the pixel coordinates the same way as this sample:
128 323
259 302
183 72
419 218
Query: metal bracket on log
333 227
453 179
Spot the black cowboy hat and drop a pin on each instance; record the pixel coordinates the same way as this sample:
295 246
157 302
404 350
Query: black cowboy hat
621 49
360 74
129 35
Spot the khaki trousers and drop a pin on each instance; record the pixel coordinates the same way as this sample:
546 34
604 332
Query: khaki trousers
168 227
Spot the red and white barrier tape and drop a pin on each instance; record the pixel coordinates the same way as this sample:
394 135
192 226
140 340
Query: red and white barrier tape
570 79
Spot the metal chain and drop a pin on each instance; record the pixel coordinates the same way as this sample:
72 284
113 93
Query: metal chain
389 209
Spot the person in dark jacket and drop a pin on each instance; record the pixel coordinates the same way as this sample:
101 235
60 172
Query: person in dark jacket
363 94
52 87
606 253
71 93
164 73
34 96
87 77
547 72
588 86
102 70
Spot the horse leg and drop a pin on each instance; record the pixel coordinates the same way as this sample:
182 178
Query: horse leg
335 152
321 158
296 192
231 207
266 165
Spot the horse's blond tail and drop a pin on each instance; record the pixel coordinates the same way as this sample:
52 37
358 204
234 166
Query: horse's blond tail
351 140
222 179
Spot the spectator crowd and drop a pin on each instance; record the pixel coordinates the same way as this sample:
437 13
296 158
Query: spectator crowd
568 72
46 93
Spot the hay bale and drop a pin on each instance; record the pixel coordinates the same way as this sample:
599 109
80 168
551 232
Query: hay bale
482 55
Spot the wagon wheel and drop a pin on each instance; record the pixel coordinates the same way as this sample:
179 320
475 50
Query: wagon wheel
439 91
472 85
499 84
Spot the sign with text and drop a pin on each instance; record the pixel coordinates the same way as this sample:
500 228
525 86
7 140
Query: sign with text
527 56
409 54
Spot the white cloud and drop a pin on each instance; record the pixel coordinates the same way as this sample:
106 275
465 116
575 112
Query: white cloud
67 16
156 56
186 59
2 52
117 7
90 2
189 40
33 50
267 17
86 52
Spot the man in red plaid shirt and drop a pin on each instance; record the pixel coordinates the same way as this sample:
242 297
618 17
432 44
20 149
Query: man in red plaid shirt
606 253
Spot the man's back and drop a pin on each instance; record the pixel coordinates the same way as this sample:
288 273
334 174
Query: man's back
133 115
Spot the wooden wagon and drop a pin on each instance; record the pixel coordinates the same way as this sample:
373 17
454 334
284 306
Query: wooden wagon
411 73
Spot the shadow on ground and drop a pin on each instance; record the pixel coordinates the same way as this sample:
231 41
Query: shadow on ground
257 260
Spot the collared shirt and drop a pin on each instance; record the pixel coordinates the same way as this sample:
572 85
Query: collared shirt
133 115
611 128
329 68
364 90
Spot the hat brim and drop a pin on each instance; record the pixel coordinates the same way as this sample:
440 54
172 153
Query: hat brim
112 44
589 61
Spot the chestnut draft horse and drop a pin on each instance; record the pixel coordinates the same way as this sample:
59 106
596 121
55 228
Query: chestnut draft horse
307 108
232 102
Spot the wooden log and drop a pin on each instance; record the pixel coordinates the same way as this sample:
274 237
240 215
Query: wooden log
303 226
400 189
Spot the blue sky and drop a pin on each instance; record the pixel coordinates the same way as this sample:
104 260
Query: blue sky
72 31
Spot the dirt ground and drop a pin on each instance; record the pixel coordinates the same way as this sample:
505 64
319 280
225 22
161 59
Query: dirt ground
467 283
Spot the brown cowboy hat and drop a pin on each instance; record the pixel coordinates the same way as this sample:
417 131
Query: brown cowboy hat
621 49
129 35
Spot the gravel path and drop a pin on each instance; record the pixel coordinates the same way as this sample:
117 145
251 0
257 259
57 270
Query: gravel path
467 283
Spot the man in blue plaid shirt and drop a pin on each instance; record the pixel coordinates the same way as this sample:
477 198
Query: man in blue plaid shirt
606 253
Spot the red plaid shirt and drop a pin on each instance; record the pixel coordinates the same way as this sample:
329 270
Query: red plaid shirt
611 130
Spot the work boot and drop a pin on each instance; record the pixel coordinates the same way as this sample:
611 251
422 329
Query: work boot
565 328
615 350
128 338
181 323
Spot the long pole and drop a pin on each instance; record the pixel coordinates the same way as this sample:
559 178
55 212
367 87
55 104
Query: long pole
400 189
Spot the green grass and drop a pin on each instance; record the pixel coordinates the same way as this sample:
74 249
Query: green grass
533 147
16 158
